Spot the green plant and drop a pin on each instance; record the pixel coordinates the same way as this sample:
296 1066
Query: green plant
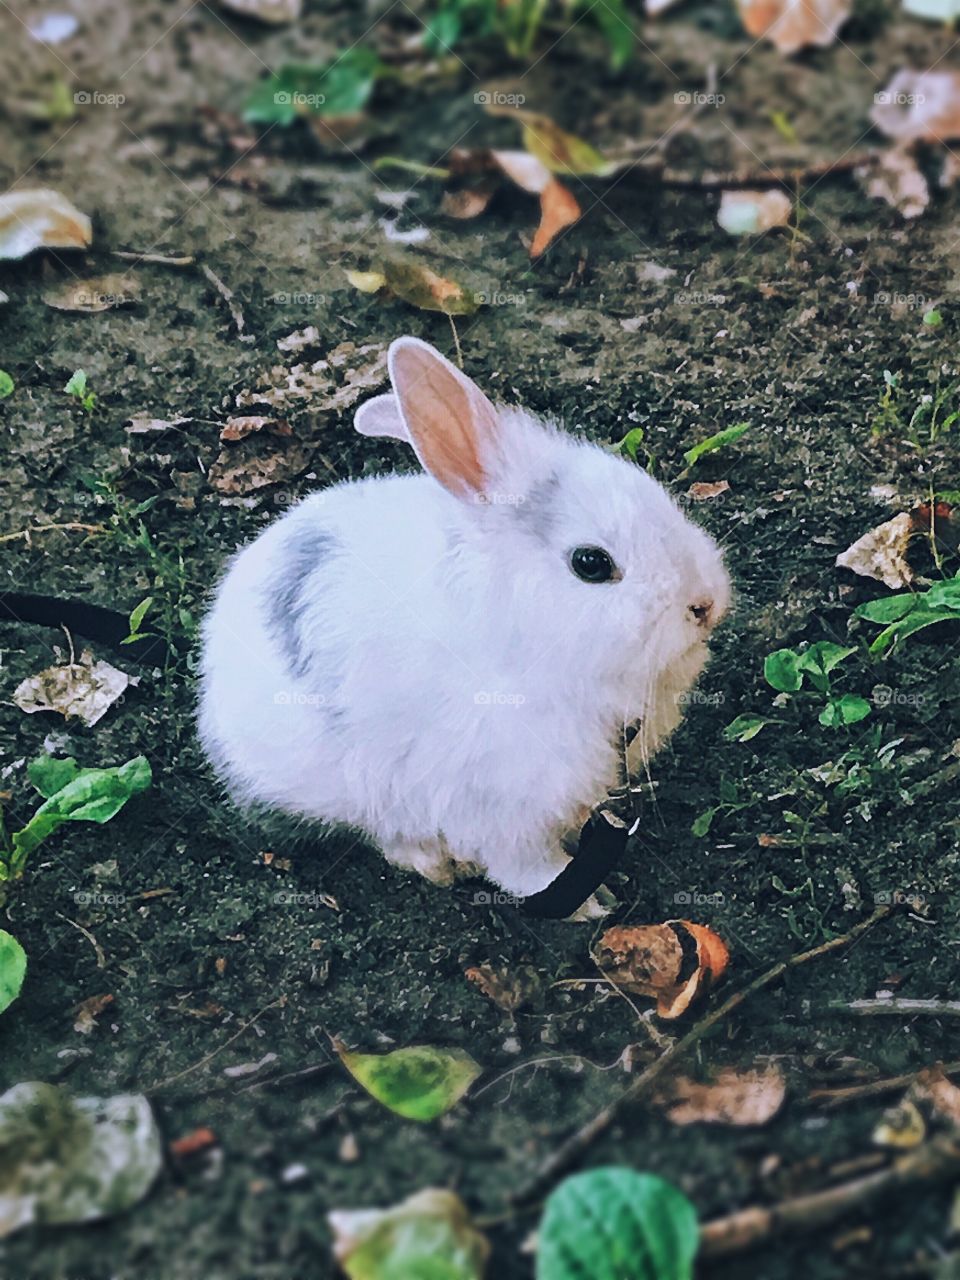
718 441
135 622
341 87
518 24
6 384
13 968
649 1230
905 614
789 671
729 802
932 418
78 388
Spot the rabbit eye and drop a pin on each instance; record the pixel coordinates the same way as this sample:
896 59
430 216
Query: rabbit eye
592 564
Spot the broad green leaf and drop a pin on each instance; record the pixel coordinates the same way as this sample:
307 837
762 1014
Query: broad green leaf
91 795
419 1083
138 615
77 386
6 384
702 823
889 610
615 1224
848 709
50 775
932 318
715 442
744 728
822 657
613 20
428 1236
630 443
781 670
13 968
68 1160
338 88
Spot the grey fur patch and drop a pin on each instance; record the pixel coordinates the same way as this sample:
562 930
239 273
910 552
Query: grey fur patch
538 512
303 550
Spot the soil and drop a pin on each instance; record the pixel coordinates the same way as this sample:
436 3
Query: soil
644 314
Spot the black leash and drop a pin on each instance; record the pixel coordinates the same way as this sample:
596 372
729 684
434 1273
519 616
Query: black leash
93 622
602 843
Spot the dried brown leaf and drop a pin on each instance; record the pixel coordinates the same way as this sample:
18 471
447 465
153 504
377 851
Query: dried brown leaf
881 553
732 1098
39 218
83 690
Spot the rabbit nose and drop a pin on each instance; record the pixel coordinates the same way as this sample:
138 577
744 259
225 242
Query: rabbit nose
703 612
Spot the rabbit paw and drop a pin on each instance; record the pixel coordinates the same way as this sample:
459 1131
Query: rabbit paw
428 858
592 909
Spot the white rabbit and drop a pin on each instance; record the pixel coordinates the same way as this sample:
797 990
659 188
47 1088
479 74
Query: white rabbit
448 661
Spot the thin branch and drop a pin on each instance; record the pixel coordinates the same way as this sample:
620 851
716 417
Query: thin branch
578 1143
70 527
873 1088
905 1008
162 1084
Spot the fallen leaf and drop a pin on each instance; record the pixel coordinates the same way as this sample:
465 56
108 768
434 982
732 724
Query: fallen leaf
239 428
469 202
249 1068
70 1160
942 1094
900 1127
39 218
704 490
100 293
192 1143
746 213
919 105
419 285
272 12
881 553
558 209
144 424
508 990
655 960
792 25
428 1234
88 1011
733 1098
325 386
295 342
419 1083
244 467
557 150
85 690
895 177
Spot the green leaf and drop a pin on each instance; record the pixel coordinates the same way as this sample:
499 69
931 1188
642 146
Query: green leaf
69 1160
848 709
6 384
712 443
428 1236
822 657
781 670
341 87
892 609
932 318
91 795
614 1224
13 968
138 615
702 823
50 775
612 19
629 444
77 386
419 1083
744 728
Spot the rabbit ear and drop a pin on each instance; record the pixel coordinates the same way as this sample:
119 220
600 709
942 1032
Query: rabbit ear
450 422
381 417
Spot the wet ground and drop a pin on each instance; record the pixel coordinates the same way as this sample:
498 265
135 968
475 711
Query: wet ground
644 314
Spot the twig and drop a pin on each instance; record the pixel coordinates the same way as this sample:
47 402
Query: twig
70 527
101 958
456 341
229 298
713 180
573 1148
156 259
162 1084
935 1161
873 1088
935 1008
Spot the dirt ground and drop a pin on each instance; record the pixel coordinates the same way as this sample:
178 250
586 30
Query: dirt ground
644 314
